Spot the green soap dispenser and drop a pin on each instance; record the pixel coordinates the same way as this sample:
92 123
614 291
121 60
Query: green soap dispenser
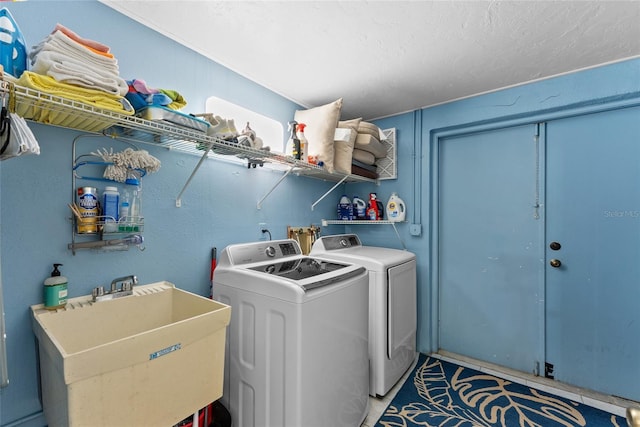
55 290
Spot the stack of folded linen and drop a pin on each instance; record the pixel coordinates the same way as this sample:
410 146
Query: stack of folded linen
141 96
71 59
70 66
358 147
367 150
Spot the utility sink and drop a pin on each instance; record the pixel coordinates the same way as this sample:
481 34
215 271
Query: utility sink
148 359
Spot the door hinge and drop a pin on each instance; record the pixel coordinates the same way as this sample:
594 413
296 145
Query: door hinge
548 370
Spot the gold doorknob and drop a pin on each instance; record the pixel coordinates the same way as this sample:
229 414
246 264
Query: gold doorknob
555 263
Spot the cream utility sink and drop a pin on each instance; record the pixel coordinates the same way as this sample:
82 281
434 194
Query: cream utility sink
148 359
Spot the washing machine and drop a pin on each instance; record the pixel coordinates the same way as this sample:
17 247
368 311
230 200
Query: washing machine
392 304
297 342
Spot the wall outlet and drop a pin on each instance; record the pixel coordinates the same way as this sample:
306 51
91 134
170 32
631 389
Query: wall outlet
263 235
415 229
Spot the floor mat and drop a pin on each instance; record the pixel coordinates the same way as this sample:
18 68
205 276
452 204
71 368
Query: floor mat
443 394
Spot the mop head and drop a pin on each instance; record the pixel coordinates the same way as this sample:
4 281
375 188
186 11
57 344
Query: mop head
125 161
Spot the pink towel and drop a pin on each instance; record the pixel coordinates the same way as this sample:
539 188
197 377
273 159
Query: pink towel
89 43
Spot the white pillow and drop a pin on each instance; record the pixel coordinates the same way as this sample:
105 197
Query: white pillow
371 144
321 124
343 148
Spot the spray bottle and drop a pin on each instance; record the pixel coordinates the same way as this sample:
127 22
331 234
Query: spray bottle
373 211
304 146
55 290
294 142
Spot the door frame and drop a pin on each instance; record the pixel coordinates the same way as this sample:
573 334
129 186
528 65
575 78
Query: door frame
435 139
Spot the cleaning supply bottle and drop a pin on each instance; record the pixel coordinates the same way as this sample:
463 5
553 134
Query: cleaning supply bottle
359 208
135 202
293 146
304 144
110 207
345 209
123 213
135 209
373 213
55 290
13 49
395 208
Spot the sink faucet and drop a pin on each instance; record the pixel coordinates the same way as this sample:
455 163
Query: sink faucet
126 288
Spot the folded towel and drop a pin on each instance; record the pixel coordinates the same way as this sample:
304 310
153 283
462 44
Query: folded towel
357 170
141 95
69 70
371 168
91 44
178 101
141 86
89 96
140 100
61 43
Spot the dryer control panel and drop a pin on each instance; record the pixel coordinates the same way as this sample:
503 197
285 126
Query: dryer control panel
341 241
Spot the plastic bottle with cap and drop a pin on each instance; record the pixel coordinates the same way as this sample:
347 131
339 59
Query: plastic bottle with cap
373 211
293 145
110 208
55 290
395 208
304 144
135 202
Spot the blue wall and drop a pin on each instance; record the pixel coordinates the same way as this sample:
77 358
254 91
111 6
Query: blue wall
219 206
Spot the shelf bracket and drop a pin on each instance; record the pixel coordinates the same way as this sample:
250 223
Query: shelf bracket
327 193
204 156
398 234
274 187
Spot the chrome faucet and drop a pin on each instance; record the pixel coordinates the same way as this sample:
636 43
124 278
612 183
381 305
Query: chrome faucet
126 288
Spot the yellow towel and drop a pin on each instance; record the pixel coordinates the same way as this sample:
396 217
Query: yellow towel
92 97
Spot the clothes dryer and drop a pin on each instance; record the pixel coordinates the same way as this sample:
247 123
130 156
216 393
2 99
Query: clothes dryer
392 305
297 351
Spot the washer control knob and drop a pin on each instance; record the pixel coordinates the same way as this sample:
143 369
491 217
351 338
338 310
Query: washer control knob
270 251
344 243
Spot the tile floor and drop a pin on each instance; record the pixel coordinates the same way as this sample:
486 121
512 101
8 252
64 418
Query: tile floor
610 404
377 406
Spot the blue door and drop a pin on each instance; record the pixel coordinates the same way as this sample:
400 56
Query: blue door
593 251
490 254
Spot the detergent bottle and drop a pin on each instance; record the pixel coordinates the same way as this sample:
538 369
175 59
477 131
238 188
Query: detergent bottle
345 209
395 208
373 211
359 208
13 50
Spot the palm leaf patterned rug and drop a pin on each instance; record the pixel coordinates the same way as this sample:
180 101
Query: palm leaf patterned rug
442 394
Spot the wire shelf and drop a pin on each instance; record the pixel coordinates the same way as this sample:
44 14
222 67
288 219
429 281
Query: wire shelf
54 110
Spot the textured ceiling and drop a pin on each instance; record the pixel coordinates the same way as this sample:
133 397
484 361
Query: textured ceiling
388 57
